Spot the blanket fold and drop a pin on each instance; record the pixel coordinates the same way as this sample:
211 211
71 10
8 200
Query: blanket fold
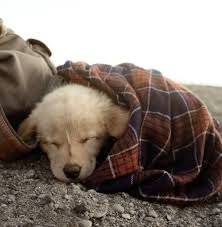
172 148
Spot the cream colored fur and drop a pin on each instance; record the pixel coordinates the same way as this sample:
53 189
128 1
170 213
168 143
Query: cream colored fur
72 123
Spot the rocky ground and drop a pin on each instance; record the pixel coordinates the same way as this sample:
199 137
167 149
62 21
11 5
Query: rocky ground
30 196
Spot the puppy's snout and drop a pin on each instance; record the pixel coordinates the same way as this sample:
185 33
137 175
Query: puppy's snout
72 170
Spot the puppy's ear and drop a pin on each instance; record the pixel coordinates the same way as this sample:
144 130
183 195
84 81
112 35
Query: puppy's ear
27 131
117 121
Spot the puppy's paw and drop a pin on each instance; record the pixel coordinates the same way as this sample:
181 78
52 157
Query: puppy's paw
27 131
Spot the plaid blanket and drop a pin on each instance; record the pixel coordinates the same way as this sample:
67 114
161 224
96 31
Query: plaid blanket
172 148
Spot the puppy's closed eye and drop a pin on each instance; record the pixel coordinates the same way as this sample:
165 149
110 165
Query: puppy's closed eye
89 139
53 144
84 140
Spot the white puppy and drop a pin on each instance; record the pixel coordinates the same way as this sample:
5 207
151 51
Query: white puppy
72 123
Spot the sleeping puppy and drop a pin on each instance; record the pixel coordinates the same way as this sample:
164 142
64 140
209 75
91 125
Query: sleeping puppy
71 124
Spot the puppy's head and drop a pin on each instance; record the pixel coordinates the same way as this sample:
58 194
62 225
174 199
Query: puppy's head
71 124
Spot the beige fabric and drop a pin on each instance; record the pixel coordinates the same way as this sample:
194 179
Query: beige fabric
25 70
24 74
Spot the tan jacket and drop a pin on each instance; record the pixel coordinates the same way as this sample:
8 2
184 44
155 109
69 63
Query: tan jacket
25 70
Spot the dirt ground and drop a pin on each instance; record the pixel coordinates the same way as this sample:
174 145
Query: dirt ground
30 196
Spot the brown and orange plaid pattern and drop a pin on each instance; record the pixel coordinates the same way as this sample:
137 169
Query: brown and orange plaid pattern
172 148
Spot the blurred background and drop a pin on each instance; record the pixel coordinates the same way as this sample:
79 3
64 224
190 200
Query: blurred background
182 39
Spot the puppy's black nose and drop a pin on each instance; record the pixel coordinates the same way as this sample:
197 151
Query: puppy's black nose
72 170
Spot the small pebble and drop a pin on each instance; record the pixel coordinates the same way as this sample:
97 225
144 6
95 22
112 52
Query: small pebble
216 211
105 201
11 198
149 219
75 187
45 199
141 215
60 206
132 212
99 214
64 190
33 196
56 206
168 217
92 191
85 223
126 216
125 195
80 208
152 213
68 197
94 199
117 207
30 173
27 181
111 219
3 205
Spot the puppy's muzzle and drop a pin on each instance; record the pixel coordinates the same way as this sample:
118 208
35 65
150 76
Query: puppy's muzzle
72 171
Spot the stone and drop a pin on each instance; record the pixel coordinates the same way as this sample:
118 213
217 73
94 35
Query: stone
95 199
60 206
75 187
168 217
45 199
106 201
33 196
30 173
84 223
117 207
152 213
68 197
125 195
149 219
132 211
126 216
11 198
216 222
80 208
111 219
216 211
100 213
92 191
3 205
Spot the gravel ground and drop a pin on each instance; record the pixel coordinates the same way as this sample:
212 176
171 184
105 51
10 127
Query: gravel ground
30 196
